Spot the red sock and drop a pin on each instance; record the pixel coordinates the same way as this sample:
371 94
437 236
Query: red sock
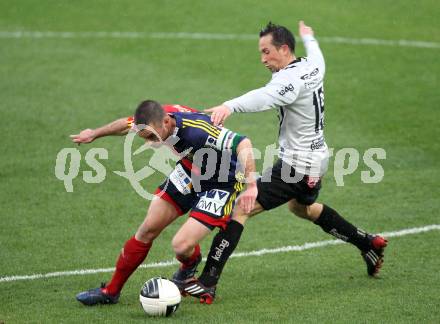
132 255
189 262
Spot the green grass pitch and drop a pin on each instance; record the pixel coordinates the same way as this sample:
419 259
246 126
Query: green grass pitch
376 96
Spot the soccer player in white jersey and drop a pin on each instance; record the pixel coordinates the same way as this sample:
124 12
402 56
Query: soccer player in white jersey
296 90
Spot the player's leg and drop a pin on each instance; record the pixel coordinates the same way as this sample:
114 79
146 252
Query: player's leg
272 192
224 244
160 214
371 246
186 246
212 209
331 222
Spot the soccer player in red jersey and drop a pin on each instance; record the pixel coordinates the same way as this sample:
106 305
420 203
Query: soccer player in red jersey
208 199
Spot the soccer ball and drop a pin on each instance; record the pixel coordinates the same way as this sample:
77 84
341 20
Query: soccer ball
159 297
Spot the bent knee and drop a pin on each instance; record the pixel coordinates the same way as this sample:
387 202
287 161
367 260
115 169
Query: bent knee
182 246
146 234
300 210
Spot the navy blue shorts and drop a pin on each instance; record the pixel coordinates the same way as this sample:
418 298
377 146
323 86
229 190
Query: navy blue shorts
212 206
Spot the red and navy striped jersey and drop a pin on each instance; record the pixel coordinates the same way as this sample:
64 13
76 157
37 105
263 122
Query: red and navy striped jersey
212 149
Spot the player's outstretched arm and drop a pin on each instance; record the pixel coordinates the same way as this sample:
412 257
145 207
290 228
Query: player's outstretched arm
311 45
117 127
246 158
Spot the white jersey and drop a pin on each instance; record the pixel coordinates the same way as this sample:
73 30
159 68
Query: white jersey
297 92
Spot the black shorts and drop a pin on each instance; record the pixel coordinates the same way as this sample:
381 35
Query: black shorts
212 206
273 191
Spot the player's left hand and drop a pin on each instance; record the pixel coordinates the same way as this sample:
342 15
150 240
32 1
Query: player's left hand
247 199
85 136
304 30
219 114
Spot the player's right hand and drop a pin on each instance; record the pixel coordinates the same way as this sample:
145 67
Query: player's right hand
219 114
85 136
247 199
304 30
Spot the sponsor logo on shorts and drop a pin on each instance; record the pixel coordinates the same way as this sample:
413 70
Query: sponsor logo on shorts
213 201
181 180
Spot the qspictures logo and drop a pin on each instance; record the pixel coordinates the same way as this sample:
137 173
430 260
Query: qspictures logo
346 162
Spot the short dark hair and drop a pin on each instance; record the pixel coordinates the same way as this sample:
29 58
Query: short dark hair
280 35
149 112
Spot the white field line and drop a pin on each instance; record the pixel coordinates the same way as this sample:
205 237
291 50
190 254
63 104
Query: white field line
206 36
163 264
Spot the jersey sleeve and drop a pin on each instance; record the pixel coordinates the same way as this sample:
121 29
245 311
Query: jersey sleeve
227 141
178 108
130 122
280 91
202 134
313 51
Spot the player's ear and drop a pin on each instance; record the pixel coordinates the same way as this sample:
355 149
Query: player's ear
166 121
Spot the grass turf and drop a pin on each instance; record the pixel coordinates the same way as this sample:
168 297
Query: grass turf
376 96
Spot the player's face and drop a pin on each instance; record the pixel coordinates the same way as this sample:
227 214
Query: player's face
271 56
154 134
